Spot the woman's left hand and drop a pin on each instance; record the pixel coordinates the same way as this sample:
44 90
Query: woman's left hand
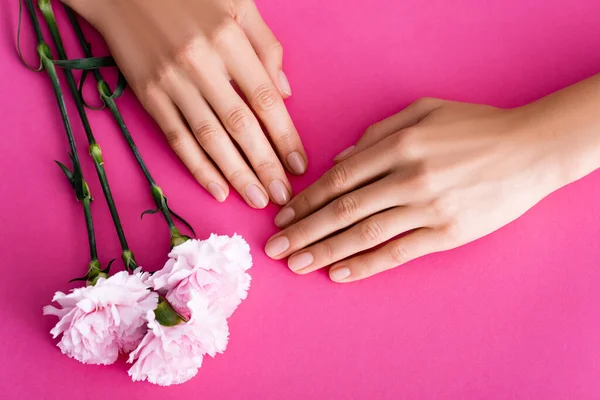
440 173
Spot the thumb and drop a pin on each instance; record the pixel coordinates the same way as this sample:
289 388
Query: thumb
411 115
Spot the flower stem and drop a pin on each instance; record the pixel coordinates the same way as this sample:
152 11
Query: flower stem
95 151
75 177
109 99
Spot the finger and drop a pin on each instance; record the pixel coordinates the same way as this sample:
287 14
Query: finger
344 177
249 74
365 235
243 127
416 244
217 143
337 215
161 108
410 116
266 46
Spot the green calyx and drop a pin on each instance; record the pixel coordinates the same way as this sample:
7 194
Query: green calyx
177 237
166 314
95 272
128 260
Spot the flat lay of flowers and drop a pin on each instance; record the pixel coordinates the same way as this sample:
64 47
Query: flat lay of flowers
165 321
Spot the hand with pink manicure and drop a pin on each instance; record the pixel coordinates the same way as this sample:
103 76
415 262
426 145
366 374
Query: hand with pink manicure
436 176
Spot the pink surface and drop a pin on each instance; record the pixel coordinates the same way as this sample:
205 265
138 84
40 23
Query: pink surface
514 315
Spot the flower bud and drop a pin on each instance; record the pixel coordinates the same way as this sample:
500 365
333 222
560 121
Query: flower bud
96 153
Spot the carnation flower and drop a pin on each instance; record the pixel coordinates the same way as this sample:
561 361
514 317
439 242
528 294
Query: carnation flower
97 322
170 355
215 268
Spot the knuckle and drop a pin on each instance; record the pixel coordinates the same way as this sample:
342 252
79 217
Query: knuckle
346 208
303 202
238 120
199 173
286 139
188 53
425 102
176 140
399 254
407 143
266 165
454 233
223 31
371 130
371 232
276 50
326 250
206 132
264 97
301 232
149 92
367 268
235 175
339 176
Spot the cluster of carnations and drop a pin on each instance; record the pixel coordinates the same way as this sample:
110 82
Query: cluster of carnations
168 320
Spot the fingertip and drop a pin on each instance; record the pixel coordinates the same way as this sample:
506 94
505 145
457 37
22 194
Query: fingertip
217 191
296 163
255 197
284 84
340 274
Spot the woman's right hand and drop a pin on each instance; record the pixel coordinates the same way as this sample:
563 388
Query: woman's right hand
180 57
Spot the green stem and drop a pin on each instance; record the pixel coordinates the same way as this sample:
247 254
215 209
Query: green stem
95 151
89 223
109 100
81 188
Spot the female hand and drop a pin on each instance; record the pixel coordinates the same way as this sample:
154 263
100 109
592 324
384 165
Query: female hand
179 57
439 173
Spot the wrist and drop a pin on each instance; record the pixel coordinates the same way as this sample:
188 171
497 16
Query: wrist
564 131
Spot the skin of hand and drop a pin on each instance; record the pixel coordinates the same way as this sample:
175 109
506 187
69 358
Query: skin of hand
192 64
440 174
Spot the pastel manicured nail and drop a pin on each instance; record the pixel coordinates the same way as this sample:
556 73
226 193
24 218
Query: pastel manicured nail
300 261
296 163
284 217
279 192
277 246
256 196
284 84
344 153
339 274
216 191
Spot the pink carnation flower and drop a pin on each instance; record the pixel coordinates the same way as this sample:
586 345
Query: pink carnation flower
172 355
97 322
214 268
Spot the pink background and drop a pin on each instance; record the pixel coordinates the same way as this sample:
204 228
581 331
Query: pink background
513 315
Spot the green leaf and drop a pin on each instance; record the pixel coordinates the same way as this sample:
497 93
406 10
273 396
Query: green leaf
149 212
84 76
86 63
67 172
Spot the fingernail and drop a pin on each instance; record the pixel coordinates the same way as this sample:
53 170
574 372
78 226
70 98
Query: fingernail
256 196
277 246
284 84
217 191
339 274
344 153
296 163
285 216
300 261
279 192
